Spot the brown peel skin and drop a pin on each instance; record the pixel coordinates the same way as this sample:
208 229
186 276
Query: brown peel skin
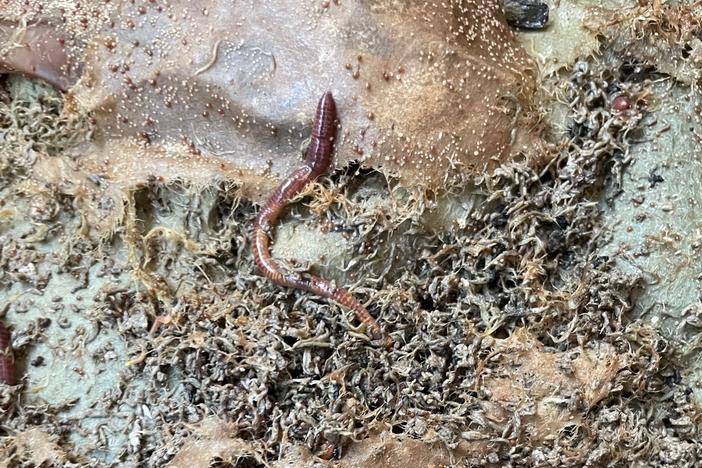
40 51
318 158
433 92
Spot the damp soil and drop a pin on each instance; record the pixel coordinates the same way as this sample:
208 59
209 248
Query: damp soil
542 314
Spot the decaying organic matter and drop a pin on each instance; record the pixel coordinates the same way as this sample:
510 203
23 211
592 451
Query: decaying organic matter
664 35
38 50
514 339
208 91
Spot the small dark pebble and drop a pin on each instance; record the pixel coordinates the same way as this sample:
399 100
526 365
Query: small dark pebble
526 14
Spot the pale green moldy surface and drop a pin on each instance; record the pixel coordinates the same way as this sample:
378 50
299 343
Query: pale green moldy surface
656 221
70 360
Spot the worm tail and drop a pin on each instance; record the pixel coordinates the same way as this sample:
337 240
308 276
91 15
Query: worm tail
345 298
341 296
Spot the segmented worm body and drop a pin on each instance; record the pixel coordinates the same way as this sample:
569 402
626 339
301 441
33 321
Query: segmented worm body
318 158
7 359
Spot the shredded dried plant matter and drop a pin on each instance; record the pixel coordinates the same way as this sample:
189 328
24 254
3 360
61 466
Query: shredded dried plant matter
35 121
663 34
287 368
512 341
513 344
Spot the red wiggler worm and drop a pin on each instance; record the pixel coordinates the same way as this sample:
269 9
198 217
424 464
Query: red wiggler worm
7 359
318 158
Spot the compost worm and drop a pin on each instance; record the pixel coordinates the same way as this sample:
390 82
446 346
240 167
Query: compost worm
318 158
7 359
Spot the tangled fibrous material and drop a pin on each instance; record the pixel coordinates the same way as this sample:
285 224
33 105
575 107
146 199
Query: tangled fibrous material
516 286
487 315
